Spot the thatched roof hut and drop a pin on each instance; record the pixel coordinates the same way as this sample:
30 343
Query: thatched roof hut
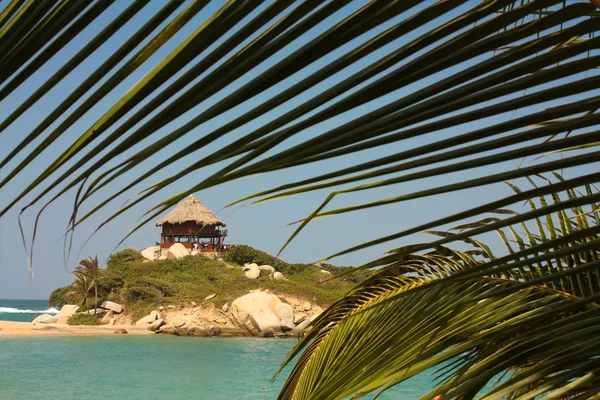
191 210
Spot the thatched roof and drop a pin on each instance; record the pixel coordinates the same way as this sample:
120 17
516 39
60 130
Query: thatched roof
191 210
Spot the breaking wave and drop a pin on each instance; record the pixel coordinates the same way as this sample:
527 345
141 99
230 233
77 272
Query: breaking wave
10 310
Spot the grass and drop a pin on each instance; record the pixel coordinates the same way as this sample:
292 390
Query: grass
83 319
143 285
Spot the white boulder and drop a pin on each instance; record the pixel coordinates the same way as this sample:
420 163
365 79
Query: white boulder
114 307
177 251
251 271
107 318
266 269
148 319
300 317
286 313
210 296
257 312
306 306
327 273
156 324
151 253
277 276
44 319
65 312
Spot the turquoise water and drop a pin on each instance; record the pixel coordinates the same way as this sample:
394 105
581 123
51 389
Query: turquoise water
156 367
23 310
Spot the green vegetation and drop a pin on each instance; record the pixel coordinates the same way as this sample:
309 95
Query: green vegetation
141 285
57 298
83 319
245 254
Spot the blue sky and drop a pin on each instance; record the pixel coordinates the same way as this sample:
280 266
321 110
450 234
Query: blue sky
257 225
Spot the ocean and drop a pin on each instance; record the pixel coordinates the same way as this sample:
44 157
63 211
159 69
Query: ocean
24 310
146 367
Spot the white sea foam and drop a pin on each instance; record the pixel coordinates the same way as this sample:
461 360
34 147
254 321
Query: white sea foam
10 310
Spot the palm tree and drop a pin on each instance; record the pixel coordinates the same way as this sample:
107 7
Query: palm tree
80 289
530 315
90 269
451 89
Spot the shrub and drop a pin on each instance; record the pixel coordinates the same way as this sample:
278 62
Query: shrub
83 319
57 297
245 254
142 293
355 277
121 259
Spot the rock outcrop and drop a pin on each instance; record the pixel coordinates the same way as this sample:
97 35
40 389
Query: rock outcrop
148 319
156 324
65 312
177 251
44 319
300 317
114 307
256 312
107 318
151 253
286 313
277 276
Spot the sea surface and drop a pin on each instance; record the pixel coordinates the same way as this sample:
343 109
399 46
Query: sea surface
24 310
147 367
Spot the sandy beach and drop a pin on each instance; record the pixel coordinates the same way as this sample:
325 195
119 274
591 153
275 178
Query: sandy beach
14 329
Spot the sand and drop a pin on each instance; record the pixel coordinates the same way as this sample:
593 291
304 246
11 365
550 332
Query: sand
12 329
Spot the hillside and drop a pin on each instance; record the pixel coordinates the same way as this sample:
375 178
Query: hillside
142 285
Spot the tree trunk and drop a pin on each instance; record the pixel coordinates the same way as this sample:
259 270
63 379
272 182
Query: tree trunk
96 295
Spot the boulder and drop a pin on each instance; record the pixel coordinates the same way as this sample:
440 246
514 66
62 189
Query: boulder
161 258
65 312
97 311
156 313
301 327
327 273
107 318
120 332
114 307
277 276
156 324
306 306
151 253
268 333
286 313
300 317
251 265
112 321
210 296
177 251
252 271
193 303
214 330
266 269
44 319
148 319
169 329
256 312
225 307
161 308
